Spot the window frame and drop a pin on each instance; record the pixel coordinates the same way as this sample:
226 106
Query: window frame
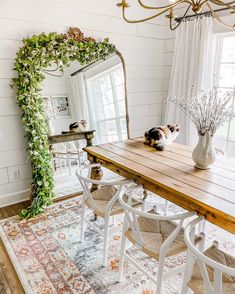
117 117
219 39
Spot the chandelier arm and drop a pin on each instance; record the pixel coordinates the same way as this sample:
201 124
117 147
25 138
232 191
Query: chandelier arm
144 19
163 7
182 18
218 18
202 3
220 3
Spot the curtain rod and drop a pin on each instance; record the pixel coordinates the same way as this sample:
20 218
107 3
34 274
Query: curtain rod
81 69
178 19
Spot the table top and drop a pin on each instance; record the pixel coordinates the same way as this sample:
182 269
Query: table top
172 175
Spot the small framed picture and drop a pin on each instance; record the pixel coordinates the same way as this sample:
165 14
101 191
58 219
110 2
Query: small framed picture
61 106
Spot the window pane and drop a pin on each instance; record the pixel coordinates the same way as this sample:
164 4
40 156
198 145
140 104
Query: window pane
120 92
118 76
108 103
109 131
228 54
123 125
109 97
232 130
99 99
222 132
100 112
227 75
231 149
122 107
220 143
225 136
109 111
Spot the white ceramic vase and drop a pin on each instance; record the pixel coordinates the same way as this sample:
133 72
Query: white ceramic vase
204 153
51 129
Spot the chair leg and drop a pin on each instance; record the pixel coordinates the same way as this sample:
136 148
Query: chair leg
105 249
143 207
187 273
69 165
202 226
60 164
82 222
114 223
122 258
79 159
160 272
166 207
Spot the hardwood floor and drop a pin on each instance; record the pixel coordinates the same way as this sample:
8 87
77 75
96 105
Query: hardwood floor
9 281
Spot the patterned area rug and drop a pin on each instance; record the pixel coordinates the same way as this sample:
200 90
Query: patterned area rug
49 259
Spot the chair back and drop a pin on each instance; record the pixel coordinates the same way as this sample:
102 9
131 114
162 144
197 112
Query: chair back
70 146
86 183
132 214
205 262
59 150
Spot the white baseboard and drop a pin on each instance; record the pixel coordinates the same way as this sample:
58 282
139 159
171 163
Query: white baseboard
14 198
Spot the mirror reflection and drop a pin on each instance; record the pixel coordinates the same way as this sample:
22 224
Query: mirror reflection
82 99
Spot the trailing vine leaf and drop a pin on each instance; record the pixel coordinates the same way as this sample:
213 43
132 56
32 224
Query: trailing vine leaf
36 54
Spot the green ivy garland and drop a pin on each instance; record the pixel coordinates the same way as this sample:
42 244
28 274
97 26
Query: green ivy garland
36 54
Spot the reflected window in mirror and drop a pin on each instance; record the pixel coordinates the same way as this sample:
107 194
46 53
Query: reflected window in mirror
94 93
225 81
107 100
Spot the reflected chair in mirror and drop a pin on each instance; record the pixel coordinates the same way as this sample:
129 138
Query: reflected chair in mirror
103 202
59 157
74 154
156 235
210 271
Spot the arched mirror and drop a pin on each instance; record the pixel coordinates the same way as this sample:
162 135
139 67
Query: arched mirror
72 93
83 99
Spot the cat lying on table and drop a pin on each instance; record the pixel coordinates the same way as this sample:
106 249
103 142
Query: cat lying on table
161 136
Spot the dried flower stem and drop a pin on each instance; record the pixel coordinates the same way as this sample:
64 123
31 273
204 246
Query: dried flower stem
207 111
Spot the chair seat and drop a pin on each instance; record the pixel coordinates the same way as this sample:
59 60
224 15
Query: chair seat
101 198
154 233
196 282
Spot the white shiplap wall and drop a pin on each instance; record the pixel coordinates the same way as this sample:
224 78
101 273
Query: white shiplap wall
143 47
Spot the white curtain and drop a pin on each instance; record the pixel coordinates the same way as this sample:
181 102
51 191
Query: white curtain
192 66
80 96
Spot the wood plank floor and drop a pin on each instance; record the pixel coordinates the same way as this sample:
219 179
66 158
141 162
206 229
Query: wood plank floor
9 281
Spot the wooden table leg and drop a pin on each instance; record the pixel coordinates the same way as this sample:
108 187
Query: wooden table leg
89 138
145 194
96 174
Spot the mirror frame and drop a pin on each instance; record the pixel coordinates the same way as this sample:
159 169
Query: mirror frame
36 54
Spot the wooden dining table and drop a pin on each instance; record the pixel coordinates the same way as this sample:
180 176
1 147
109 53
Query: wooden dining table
171 174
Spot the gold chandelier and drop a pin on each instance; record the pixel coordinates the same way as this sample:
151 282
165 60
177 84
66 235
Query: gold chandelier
195 5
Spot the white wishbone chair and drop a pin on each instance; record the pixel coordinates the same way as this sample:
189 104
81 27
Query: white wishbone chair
213 271
157 235
103 202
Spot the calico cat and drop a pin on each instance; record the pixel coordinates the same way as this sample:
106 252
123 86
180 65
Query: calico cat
79 126
161 136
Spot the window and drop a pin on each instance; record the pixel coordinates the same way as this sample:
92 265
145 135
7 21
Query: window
225 73
107 100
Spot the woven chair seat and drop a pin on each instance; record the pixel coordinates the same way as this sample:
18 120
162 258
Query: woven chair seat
154 233
196 282
101 198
